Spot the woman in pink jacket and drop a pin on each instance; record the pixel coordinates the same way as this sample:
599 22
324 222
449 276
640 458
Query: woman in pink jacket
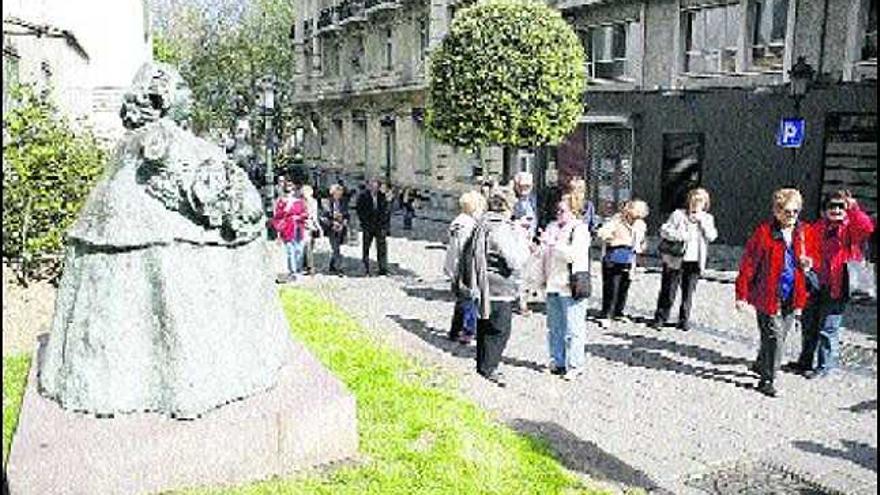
289 220
839 236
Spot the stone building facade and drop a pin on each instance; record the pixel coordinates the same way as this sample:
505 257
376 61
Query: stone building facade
682 92
360 95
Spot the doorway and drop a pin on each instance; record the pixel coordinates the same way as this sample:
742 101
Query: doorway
682 168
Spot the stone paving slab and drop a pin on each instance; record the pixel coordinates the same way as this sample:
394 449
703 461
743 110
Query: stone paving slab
654 408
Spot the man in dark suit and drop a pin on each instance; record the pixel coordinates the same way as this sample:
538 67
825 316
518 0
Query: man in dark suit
374 213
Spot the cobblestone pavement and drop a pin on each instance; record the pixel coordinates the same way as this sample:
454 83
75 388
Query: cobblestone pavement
664 410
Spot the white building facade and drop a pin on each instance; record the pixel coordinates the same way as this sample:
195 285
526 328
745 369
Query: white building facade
86 52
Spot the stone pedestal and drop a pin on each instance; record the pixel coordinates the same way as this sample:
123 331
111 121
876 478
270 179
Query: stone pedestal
307 419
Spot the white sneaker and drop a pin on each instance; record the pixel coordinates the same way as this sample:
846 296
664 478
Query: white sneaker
573 374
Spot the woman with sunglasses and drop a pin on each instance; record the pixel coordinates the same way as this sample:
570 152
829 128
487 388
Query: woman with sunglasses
840 234
771 279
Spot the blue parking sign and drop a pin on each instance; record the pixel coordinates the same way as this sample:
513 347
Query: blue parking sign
790 133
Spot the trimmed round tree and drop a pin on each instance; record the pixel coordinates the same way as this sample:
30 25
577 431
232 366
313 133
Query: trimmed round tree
509 73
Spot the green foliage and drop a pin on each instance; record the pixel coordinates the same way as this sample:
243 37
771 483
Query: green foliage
48 171
225 51
15 370
510 72
166 50
417 434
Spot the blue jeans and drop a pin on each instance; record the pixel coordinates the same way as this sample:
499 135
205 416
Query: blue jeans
821 333
567 325
295 251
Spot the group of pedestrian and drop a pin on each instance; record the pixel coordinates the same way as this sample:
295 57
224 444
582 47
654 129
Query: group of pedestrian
297 222
300 219
796 272
790 271
491 244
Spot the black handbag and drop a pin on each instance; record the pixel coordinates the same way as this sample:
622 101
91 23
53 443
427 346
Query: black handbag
671 248
580 282
810 275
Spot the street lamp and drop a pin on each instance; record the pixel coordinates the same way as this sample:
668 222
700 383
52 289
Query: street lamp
267 107
800 76
387 124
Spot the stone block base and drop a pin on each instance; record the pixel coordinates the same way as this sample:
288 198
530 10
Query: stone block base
307 419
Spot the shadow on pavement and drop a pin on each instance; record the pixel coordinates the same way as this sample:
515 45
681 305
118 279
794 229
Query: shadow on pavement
430 293
861 407
647 352
354 268
437 338
858 453
584 456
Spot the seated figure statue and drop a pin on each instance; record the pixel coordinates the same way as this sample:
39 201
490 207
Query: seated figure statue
166 303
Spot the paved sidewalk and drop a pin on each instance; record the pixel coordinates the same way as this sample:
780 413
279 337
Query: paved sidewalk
668 411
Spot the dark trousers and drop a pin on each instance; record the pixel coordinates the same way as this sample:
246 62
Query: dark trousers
615 287
336 240
381 249
773 329
672 278
820 332
408 215
309 255
492 335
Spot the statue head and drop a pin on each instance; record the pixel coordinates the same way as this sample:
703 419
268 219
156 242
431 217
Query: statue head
157 91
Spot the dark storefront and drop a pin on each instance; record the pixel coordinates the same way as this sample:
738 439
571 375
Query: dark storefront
657 145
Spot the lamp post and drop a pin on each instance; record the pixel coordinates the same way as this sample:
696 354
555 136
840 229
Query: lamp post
267 107
387 124
800 76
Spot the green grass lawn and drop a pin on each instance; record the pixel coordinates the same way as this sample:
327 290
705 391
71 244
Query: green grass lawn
417 433
15 370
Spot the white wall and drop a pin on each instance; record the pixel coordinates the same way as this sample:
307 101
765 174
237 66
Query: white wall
114 34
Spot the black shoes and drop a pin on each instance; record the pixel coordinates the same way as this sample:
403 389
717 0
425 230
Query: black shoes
767 389
794 367
495 377
684 326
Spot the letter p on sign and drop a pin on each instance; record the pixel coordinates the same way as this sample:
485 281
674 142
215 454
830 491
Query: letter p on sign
790 133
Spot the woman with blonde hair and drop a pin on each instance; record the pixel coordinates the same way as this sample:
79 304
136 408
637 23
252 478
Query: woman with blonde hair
624 239
566 252
313 225
771 279
684 241
472 204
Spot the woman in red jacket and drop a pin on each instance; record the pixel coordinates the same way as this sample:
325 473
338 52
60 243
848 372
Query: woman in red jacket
839 237
289 220
771 279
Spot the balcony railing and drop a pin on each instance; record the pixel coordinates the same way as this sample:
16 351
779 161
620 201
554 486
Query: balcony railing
351 11
327 20
372 6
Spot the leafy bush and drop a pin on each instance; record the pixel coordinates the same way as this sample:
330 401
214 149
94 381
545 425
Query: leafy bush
510 72
48 171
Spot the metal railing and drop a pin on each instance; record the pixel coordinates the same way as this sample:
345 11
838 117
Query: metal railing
377 5
325 18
